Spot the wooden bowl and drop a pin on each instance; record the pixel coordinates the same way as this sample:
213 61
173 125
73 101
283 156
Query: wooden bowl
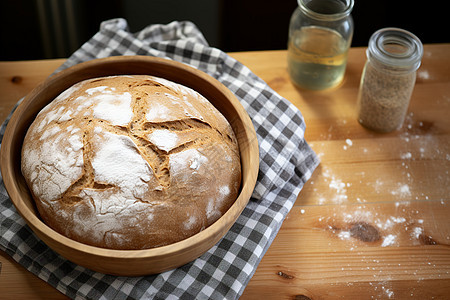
128 262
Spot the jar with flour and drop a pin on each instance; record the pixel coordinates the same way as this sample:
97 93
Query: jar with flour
388 79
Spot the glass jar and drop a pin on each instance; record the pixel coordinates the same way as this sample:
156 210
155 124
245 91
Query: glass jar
320 34
388 78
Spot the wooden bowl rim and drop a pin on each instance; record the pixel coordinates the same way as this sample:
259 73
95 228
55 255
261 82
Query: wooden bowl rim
37 224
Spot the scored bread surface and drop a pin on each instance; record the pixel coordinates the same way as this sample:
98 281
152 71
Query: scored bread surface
131 162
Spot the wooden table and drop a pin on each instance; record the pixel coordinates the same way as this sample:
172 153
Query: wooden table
374 220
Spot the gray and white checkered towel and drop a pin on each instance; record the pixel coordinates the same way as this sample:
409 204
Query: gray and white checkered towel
286 163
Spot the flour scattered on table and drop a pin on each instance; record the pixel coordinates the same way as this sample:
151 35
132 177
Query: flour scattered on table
398 220
344 235
423 74
388 292
378 185
406 155
349 144
337 186
402 191
388 240
417 232
389 222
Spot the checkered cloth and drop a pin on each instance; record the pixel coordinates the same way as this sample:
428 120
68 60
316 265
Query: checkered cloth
286 163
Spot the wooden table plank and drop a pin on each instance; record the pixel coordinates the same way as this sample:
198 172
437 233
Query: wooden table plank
398 183
374 220
18 78
344 250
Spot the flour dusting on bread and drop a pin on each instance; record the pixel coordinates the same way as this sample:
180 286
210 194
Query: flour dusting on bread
131 162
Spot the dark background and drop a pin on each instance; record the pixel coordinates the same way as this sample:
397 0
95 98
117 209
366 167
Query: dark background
38 29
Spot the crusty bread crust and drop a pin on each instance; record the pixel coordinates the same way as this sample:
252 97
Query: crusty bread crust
131 162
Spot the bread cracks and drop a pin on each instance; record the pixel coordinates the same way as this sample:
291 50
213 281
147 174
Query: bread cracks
131 162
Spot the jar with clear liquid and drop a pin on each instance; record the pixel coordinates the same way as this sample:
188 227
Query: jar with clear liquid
320 34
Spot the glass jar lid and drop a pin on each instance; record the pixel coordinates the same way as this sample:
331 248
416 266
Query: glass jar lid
329 10
396 49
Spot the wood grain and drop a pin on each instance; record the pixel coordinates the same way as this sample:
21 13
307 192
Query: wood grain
375 249
396 185
17 79
383 188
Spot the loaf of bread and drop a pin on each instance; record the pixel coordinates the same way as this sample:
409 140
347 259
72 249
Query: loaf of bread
131 162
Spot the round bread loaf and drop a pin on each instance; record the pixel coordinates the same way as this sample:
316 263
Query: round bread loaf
131 162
